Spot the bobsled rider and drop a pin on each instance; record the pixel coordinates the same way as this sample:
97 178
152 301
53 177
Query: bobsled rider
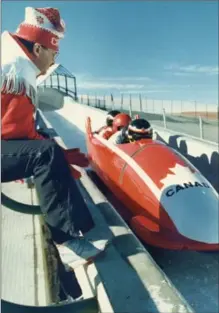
138 129
27 53
106 131
120 125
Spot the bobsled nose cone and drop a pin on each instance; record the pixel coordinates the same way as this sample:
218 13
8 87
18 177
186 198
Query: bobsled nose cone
195 216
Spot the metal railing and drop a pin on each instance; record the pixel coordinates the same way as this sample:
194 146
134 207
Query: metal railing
84 306
60 78
197 123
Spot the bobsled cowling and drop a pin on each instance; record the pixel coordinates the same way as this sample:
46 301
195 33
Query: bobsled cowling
170 203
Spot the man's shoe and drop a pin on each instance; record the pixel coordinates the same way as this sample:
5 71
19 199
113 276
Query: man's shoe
79 251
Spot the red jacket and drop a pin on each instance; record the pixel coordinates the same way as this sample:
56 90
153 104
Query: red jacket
17 112
106 132
17 117
18 122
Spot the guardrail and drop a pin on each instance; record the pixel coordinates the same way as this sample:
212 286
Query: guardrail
20 207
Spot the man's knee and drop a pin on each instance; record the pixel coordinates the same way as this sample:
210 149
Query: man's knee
50 151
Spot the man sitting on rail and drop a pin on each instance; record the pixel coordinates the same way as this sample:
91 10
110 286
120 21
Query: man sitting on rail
27 54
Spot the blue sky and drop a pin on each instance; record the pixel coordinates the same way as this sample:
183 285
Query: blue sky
162 49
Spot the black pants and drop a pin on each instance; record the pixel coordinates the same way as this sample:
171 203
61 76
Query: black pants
61 203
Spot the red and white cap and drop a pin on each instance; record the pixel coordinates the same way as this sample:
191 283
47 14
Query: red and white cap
42 25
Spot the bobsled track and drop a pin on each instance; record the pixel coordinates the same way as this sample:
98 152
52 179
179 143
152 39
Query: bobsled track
170 281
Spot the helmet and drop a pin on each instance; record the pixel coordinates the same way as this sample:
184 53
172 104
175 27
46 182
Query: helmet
110 117
140 129
120 121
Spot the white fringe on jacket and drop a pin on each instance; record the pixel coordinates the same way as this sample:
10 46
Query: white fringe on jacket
18 71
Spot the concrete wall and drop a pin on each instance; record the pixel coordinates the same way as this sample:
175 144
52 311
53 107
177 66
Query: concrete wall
50 99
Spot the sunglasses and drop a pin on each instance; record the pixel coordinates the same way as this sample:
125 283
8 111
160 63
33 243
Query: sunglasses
55 53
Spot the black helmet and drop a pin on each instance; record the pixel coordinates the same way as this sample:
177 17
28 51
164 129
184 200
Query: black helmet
140 129
110 117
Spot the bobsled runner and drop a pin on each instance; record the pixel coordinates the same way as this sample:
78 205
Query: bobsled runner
171 204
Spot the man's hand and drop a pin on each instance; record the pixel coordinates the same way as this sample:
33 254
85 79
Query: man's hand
74 156
75 173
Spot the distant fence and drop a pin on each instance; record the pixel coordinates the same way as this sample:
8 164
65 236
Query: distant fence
174 115
168 114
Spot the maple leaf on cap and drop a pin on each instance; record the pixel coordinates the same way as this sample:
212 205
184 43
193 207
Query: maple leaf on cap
40 19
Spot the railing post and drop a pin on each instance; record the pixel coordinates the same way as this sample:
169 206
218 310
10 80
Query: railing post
88 102
58 82
75 85
96 105
201 127
112 101
164 118
140 100
104 101
66 85
130 105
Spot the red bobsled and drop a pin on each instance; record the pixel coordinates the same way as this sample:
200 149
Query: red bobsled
170 203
